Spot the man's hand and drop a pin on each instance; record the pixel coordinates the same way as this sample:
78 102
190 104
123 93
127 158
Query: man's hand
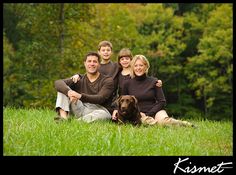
75 78
73 95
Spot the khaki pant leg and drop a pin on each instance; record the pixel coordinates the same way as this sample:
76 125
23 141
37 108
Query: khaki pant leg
99 114
77 108
163 119
62 102
147 120
161 116
93 112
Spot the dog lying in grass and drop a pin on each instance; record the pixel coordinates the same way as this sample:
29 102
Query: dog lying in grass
128 111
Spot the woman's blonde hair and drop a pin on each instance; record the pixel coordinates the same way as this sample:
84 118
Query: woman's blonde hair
143 59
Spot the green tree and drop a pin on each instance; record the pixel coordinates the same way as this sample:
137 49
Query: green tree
210 72
189 47
8 54
161 33
39 57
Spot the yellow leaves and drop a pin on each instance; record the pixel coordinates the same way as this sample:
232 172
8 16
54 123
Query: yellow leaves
7 47
210 102
213 73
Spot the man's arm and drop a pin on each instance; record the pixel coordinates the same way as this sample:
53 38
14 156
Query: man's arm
63 85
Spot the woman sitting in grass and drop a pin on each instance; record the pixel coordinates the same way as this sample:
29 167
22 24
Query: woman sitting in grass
151 99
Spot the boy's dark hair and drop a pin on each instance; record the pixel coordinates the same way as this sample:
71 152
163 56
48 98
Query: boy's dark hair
104 43
92 53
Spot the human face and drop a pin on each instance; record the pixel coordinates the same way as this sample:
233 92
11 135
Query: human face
105 52
139 68
125 62
91 64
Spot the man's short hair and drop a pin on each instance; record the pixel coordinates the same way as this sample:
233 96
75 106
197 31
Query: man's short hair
104 43
92 53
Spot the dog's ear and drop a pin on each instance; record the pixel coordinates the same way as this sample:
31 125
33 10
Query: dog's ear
135 99
135 102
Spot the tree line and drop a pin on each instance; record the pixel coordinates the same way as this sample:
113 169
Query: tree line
189 46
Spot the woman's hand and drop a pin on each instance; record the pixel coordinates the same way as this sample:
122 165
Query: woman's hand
114 115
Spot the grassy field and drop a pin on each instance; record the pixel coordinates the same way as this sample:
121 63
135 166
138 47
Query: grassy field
33 132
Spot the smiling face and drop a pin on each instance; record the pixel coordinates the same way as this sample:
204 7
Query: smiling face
91 64
125 61
105 52
139 67
124 58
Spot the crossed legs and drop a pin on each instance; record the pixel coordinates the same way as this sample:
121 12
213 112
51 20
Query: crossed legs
83 111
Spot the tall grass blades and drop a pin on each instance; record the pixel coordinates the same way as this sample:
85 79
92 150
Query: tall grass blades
33 132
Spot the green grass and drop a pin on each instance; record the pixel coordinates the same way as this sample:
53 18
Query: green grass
33 132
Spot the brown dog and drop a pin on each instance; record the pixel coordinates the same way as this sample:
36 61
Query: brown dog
128 111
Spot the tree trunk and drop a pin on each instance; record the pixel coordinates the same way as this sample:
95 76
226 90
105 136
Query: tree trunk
179 94
205 103
61 19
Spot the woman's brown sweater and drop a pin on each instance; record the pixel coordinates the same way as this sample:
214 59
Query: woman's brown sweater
150 98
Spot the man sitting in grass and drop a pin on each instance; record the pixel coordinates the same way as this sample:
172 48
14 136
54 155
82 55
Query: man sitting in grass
88 99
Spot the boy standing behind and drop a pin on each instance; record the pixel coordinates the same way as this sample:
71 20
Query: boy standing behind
108 67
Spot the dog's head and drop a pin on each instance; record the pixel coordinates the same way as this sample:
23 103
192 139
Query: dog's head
127 104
